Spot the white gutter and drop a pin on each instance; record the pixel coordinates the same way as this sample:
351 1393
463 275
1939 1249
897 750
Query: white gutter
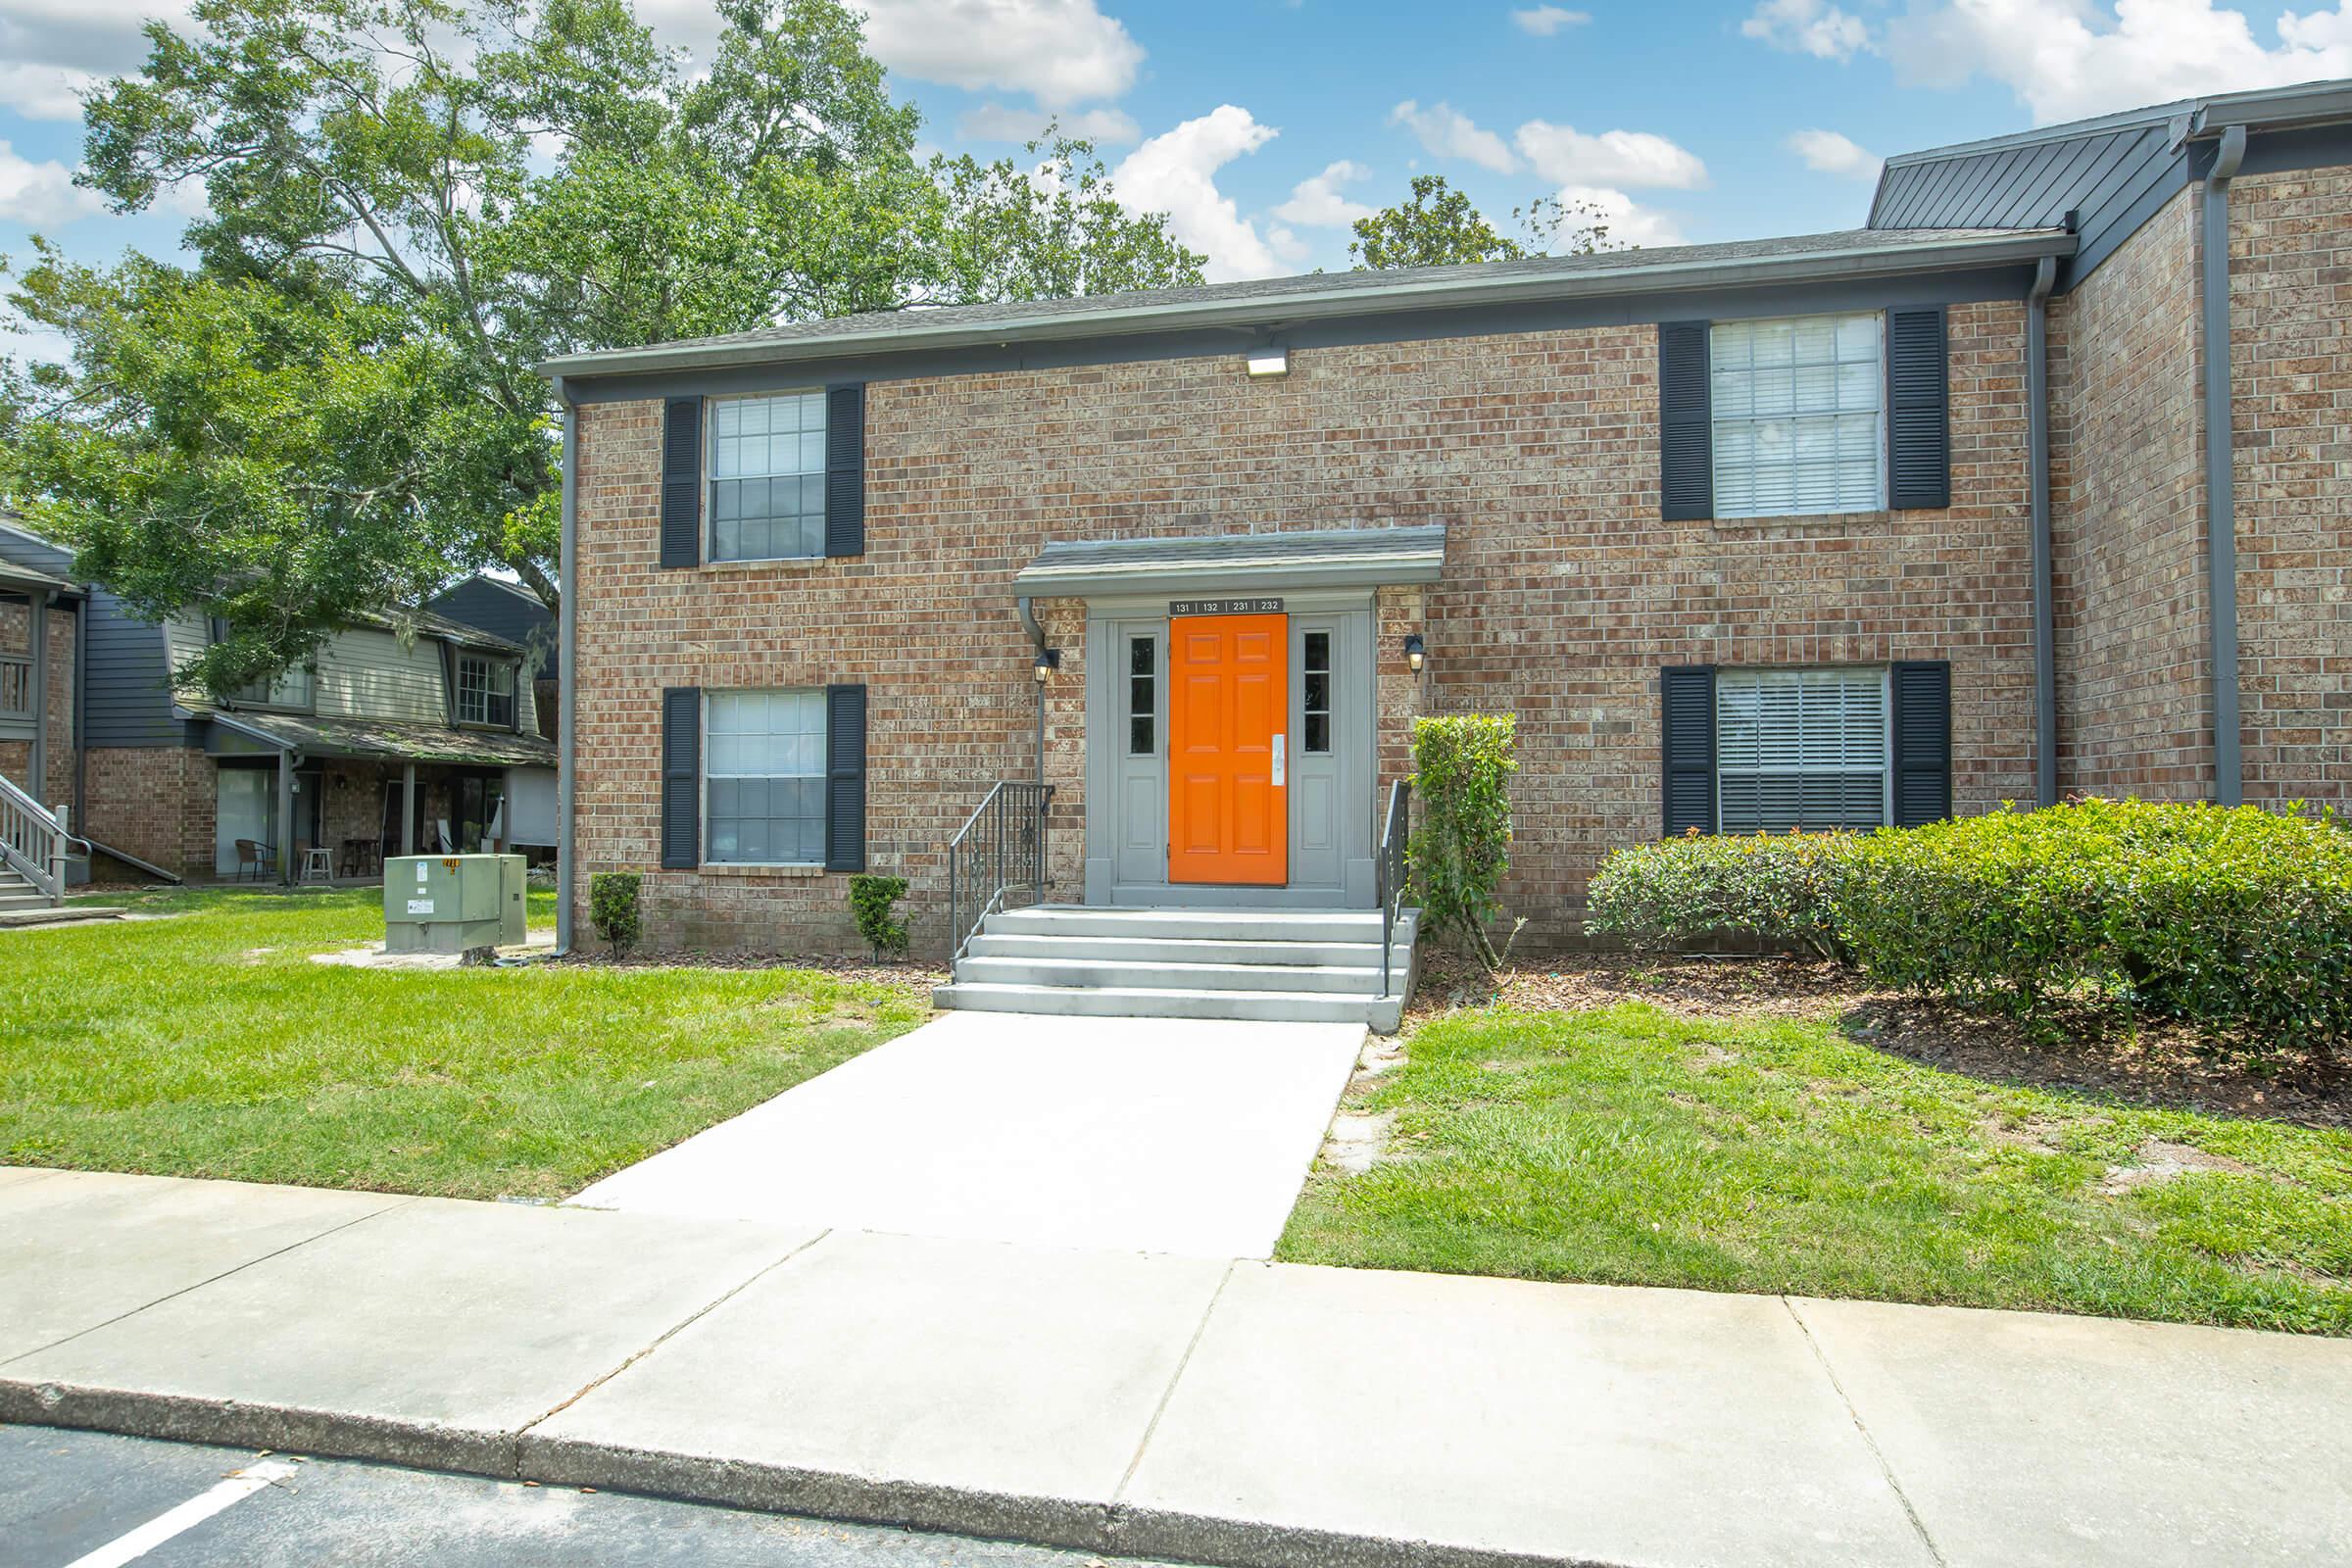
1454 290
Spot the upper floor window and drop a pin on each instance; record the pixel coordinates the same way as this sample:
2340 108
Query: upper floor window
1798 409
289 688
767 477
485 691
1802 749
764 778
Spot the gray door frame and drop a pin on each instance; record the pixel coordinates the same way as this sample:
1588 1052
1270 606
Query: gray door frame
1350 774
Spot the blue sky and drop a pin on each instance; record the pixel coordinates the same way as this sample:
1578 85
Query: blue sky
1262 125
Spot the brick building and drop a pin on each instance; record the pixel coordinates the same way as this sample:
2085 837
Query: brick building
416 730
1837 531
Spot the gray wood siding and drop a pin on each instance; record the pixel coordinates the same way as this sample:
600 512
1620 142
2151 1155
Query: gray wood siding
502 611
368 674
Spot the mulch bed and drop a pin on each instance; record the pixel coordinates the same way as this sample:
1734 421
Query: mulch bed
2159 1065
911 976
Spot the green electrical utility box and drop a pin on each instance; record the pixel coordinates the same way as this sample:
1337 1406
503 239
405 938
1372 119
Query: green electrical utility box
453 902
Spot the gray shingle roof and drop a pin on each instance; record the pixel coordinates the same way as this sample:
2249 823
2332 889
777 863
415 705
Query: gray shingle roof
1274 300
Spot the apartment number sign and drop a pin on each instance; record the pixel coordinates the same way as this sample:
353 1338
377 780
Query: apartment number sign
1224 606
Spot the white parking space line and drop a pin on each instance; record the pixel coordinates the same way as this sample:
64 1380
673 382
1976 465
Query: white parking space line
136 1543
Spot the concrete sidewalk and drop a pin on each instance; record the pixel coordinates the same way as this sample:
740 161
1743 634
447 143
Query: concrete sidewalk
1176 1407
1153 1135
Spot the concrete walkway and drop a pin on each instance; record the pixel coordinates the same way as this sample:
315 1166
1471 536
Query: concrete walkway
1176 1407
1149 1135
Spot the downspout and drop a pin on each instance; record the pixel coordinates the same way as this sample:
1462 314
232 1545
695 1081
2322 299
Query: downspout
567 661
2038 446
2221 509
1036 636
81 710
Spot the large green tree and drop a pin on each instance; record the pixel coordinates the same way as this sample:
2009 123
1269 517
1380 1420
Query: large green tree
412 203
1437 225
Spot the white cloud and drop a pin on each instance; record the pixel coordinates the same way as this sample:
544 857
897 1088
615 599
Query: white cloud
1450 133
49 48
43 194
1108 127
2065 59
1633 158
1175 172
1544 20
1293 250
43 91
1629 222
1062 52
1828 153
1816 27
1316 201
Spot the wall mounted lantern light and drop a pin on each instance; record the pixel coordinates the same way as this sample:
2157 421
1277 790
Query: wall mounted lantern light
1264 362
1417 652
1048 659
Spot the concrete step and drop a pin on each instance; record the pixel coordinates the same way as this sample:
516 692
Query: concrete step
25 898
1233 925
1160 975
1152 1001
1176 949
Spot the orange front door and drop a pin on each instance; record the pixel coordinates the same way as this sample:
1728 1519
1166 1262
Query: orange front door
1229 685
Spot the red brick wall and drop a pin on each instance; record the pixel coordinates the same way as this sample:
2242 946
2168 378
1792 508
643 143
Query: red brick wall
2128 509
155 801
1563 592
2290 304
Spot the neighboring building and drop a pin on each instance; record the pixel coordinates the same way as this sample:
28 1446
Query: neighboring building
402 732
1749 538
510 610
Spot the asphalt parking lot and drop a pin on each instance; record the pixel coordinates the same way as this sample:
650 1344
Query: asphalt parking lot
85 1498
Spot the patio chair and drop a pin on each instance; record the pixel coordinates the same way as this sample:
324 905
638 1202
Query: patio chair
253 855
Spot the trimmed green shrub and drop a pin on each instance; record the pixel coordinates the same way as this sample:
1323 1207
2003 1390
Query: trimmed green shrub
2237 919
1462 766
1776 888
612 908
870 901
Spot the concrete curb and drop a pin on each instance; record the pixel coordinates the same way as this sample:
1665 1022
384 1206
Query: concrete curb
1074 1524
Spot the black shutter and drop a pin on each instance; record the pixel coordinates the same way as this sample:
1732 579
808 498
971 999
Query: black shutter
1687 722
845 470
682 482
1919 429
1685 437
681 776
1923 742
845 778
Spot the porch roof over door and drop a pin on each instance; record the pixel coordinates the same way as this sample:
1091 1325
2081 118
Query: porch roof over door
1318 557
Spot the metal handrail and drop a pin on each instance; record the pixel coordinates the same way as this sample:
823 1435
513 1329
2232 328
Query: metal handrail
34 841
1390 868
1000 848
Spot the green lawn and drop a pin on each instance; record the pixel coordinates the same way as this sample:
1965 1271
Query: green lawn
210 1044
1630 1145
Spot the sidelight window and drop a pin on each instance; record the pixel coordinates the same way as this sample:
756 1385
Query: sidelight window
1317 697
1142 697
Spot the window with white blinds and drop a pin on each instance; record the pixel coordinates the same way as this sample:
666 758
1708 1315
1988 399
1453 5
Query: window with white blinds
763 781
1798 409
1802 749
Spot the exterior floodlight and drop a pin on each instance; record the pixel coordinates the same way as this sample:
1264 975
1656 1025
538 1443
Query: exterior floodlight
1270 361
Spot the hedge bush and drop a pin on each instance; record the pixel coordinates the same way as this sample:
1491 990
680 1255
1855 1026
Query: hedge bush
870 901
1773 888
1462 767
2238 921
612 908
